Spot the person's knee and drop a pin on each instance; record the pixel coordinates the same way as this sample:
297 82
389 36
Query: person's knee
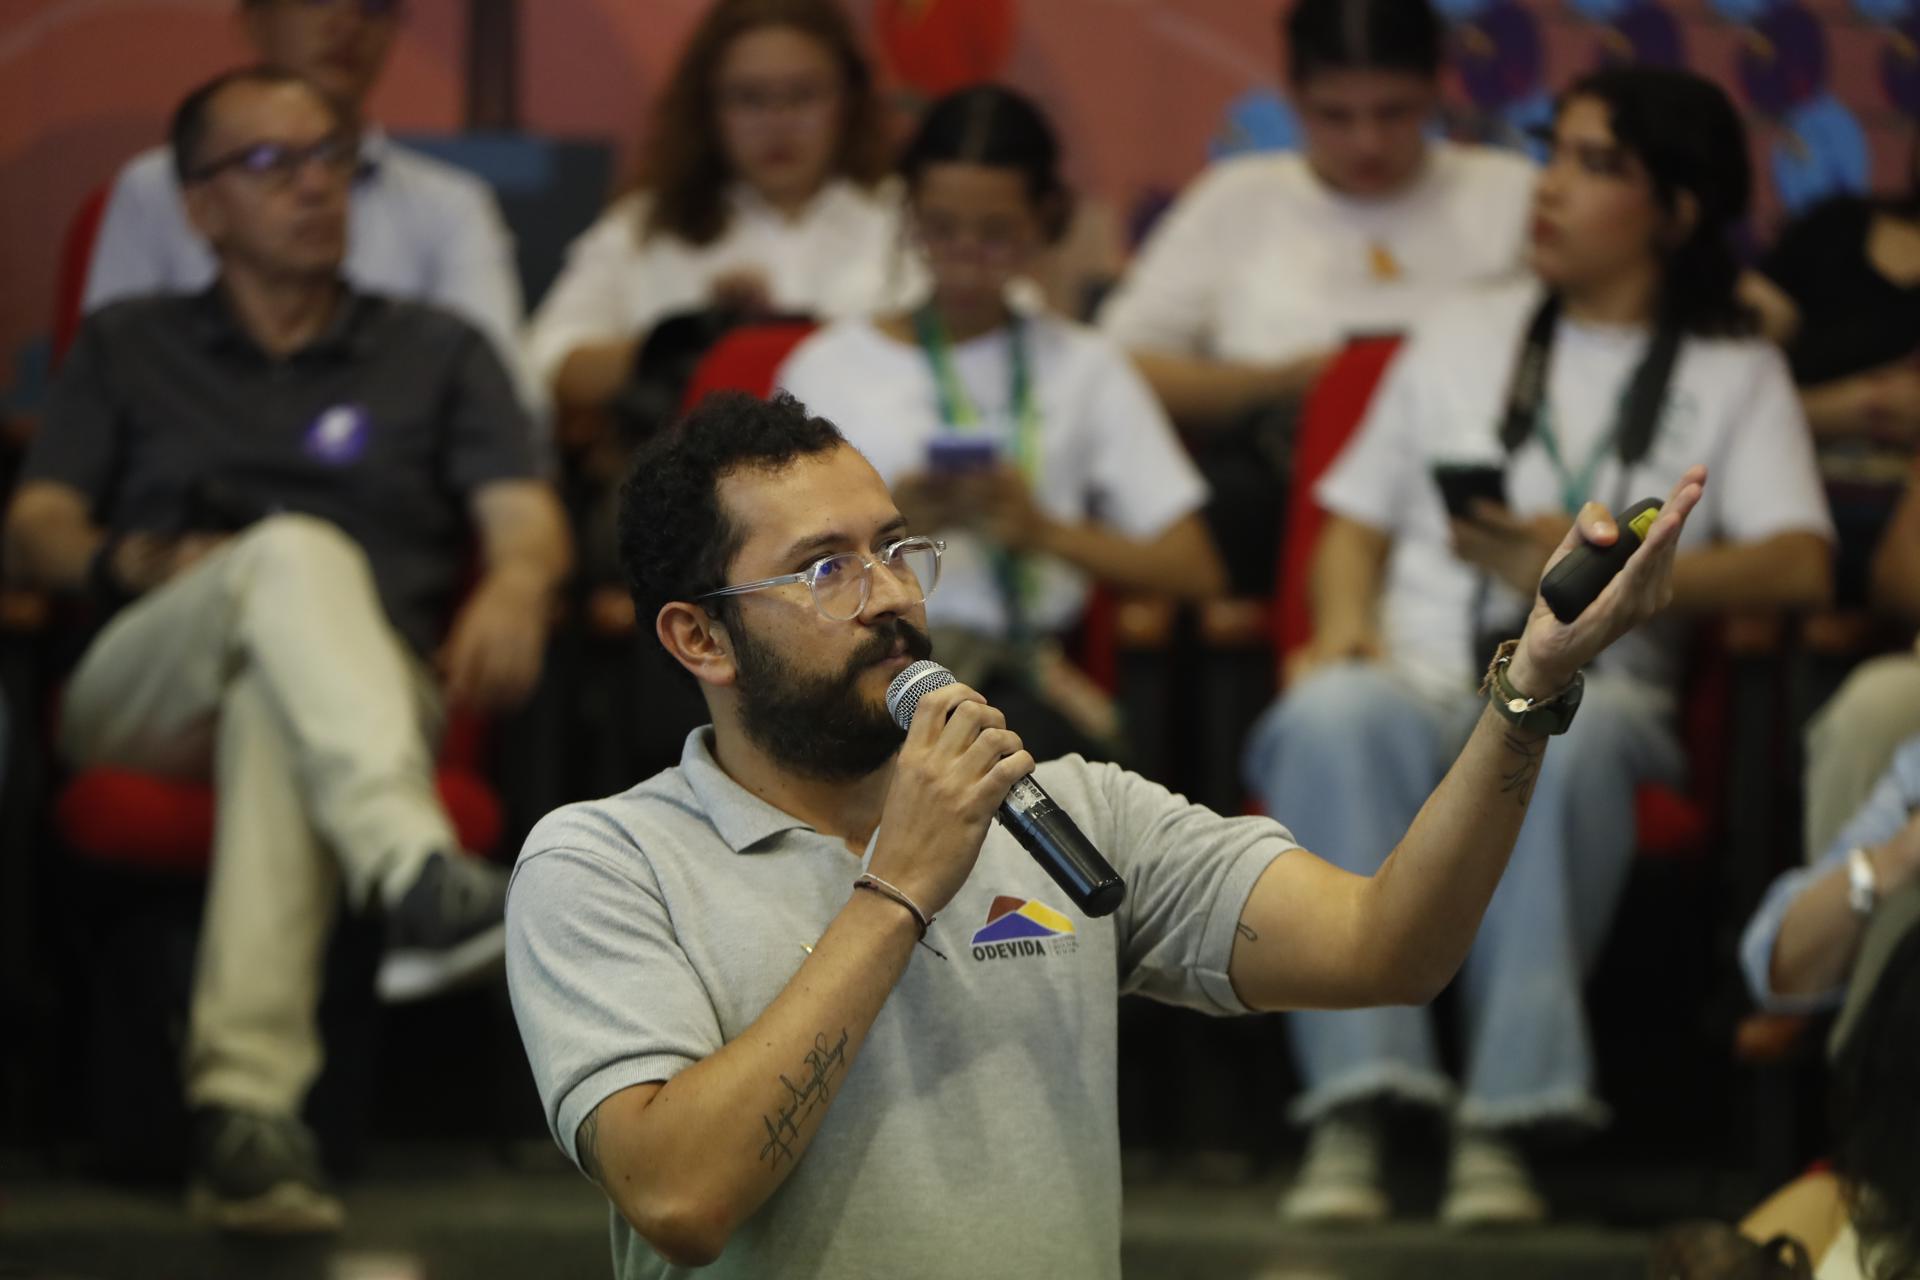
1350 697
1881 699
1350 709
299 544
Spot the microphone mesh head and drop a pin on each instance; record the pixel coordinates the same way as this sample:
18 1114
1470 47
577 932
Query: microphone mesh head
916 682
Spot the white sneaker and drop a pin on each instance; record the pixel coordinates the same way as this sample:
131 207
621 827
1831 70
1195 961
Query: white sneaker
1339 1180
1489 1185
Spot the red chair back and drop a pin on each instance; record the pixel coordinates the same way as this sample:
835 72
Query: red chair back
1678 824
746 359
76 256
1333 410
136 821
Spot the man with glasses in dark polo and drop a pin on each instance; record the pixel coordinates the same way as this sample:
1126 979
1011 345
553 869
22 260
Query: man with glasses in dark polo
420 228
310 518
799 1010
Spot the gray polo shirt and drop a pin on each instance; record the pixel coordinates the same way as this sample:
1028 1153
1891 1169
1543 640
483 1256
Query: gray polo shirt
977 1134
169 418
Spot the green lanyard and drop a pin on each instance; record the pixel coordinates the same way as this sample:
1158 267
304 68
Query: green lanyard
1013 572
1637 416
1574 489
956 406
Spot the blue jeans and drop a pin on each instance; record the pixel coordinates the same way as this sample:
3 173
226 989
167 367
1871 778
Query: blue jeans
1345 760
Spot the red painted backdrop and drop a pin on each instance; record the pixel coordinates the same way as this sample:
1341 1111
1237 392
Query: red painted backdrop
1141 89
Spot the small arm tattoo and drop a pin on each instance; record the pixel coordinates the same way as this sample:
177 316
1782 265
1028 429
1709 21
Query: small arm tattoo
1518 780
811 1093
587 1142
1245 930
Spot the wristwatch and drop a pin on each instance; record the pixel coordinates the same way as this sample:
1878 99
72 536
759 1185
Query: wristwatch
1863 886
1552 715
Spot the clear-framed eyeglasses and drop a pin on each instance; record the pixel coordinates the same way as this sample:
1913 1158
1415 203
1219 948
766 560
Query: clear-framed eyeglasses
843 582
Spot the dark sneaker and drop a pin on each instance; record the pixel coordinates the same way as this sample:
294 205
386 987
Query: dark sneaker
260 1174
448 931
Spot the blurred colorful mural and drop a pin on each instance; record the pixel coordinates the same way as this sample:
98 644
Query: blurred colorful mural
1143 90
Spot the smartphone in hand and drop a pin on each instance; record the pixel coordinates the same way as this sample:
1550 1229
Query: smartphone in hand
1464 483
955 455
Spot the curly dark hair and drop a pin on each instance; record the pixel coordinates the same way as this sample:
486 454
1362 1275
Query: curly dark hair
685 167
675 539
1876 1113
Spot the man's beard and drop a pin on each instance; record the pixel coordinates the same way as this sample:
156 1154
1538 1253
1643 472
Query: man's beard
819 725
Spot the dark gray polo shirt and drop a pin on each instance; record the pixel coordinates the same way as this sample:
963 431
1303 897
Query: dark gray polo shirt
169 418
978 1132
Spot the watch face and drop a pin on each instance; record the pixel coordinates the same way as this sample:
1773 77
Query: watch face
1861 888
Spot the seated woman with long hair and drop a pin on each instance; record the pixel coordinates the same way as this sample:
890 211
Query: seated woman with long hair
763 189
1625 360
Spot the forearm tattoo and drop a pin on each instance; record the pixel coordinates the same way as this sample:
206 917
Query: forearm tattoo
819 1068
1523 766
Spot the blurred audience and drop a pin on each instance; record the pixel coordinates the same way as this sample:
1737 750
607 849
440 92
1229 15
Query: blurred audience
1838 291
1627 358
271 490
418 228
1861 1219
762 192
1270 262
1856 732
1026 438
1801 944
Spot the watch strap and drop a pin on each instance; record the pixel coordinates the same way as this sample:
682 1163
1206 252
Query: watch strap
1550 715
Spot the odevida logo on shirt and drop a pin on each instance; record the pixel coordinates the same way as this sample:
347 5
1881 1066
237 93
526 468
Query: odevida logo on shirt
1020 927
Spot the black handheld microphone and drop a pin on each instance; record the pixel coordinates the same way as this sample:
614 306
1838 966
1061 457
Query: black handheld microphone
1585 571
1041 826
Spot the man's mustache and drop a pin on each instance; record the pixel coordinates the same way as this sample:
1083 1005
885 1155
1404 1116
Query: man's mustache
885 638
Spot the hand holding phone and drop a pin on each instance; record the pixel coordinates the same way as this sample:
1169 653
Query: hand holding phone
952 455
1464 483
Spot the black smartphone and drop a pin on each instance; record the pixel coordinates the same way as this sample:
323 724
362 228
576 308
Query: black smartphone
1462 483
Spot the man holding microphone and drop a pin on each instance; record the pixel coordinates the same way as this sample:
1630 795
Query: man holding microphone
799 1009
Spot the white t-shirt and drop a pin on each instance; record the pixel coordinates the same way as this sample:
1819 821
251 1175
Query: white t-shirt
1731 405
1261 261
1106 450
1841 1261
840 257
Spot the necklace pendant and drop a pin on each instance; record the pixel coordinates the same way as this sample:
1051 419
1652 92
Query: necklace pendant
1381 263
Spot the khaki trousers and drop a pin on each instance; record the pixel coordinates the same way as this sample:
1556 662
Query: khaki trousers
1851 742
270 669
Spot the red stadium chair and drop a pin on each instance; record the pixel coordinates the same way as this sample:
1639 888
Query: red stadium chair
76 255
745 359
121 818
1331 413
